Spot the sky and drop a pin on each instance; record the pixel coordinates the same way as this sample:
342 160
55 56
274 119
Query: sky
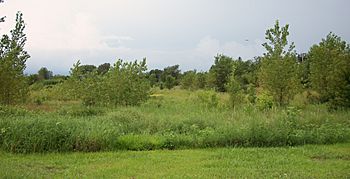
165 32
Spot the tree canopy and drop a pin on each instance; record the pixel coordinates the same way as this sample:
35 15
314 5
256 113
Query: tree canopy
13 86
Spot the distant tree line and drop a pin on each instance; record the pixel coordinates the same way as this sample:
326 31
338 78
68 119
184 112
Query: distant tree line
277 77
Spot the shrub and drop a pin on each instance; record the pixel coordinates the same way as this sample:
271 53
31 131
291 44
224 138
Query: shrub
124 84
264 101
208 98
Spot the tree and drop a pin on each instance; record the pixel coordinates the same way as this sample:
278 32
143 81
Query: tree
234 88
188 80
44 74
154 76
221 71
103 68
279 71
305 69
85 69
330 70
170 76
169 82
13 85
202 80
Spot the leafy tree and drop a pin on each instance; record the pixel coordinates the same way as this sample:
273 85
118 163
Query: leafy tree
44 74
154 76
246 72
171 76
221 71
202 80
304 61
85 69
103 68
170 81
330 70
234 88
279 70
13 85
189 80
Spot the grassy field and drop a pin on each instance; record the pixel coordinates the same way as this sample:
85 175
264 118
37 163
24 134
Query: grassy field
175 119
175 134
309 161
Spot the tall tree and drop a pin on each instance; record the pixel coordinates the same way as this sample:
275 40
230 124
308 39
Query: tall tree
13 86
170 76
221 71
279 70
330 70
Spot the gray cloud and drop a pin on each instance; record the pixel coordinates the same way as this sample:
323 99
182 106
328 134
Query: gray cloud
185 32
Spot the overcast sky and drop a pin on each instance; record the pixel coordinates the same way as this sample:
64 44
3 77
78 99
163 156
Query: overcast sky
167 32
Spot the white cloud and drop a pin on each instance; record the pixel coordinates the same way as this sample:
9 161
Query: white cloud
79 33
116 41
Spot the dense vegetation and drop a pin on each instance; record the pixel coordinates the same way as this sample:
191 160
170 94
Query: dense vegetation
278 99
173 119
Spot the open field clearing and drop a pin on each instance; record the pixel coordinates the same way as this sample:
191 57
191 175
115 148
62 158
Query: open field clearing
310 161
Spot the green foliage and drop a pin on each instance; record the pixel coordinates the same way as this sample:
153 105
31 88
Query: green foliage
208 98
277 42
44 74
188 80
305 98
7 111
103 68
13 84
169 82
330 70
172 71
234 89
123 84
202 80
179 122
221 71
279 70
264 101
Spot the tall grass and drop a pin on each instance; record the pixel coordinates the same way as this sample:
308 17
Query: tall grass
170 120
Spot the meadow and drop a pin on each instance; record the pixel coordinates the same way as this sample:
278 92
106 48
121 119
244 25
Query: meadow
308 161
170 119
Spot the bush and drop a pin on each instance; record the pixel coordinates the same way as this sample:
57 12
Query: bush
264 101
208 98
124 84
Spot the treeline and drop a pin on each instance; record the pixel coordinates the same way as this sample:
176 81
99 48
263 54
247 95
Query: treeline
278 77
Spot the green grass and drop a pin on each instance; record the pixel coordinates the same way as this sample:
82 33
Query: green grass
309 161
173 119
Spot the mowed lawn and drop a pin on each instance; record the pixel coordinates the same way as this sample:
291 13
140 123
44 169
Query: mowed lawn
310 161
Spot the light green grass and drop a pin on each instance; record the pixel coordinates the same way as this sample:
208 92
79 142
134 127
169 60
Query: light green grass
310 161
